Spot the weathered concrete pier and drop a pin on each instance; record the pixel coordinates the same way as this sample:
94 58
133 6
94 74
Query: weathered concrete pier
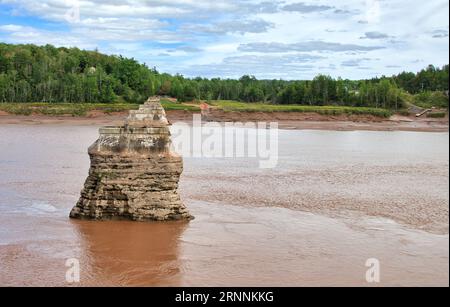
134 174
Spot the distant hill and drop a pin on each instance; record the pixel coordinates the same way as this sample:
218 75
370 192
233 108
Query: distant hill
30 73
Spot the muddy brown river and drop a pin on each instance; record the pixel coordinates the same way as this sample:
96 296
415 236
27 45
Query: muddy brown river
335 200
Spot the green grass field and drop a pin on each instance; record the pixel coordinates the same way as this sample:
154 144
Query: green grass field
234 106
55 109
437 115
81 109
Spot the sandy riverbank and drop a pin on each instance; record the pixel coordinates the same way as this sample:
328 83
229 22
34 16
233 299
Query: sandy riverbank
286 120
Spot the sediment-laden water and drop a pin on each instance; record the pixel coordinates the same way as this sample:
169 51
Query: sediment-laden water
334 200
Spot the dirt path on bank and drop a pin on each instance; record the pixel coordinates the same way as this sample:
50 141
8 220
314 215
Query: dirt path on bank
285 120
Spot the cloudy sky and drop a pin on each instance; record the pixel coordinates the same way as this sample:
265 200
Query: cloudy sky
229 38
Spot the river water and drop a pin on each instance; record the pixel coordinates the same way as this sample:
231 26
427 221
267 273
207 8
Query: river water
335 200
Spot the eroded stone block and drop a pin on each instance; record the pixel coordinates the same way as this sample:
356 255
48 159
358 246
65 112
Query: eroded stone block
134 174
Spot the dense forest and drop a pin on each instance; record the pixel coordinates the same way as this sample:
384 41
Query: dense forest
30 73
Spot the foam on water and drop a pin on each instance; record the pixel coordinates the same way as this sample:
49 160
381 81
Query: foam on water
41 207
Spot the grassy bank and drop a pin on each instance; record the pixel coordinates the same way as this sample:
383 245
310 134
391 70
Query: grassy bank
437 115
426 100
234 106
80 109
55 109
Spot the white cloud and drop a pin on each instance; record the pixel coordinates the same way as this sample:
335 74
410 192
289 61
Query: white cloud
285 39
11 28
307 46
305 8
29 35
234 26
440 33
375 35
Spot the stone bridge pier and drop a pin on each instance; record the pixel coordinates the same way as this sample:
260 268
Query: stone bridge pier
134 174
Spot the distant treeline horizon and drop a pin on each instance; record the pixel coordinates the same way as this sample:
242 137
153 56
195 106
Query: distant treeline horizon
30 73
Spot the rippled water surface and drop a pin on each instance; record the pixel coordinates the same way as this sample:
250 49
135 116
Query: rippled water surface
334 200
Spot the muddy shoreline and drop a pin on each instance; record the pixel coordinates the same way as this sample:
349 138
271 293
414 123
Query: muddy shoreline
285 120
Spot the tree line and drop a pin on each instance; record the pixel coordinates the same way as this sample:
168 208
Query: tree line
30 73
427 80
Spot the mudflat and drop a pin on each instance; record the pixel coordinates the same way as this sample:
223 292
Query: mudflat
285 120
335 199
